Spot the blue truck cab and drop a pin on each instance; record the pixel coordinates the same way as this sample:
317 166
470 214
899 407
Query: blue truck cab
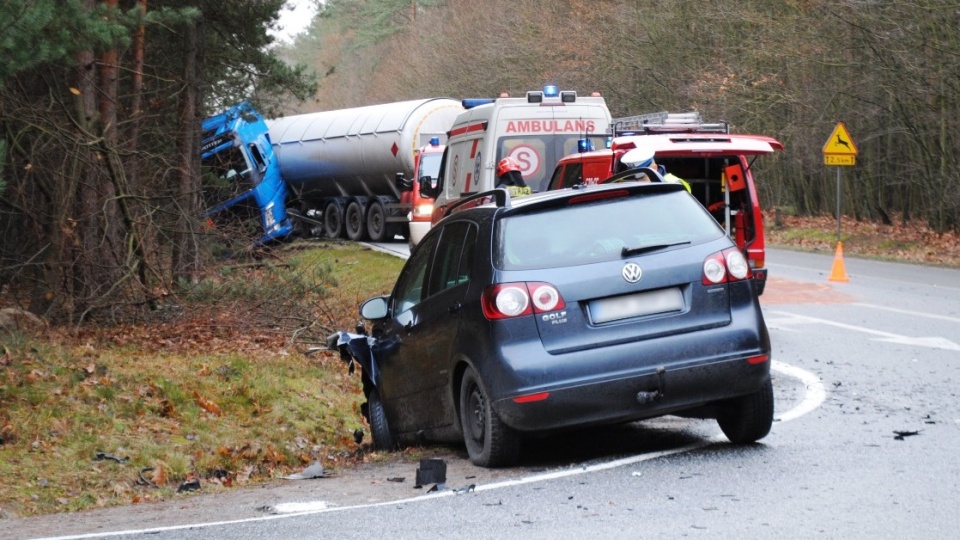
241 175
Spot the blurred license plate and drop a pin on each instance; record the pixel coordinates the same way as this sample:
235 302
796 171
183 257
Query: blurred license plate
635 305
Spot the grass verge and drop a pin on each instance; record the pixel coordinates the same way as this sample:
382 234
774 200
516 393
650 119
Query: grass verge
222 392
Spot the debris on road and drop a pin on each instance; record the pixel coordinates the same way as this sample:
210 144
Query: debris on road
313 471
192 484
431 471
900 435
101 456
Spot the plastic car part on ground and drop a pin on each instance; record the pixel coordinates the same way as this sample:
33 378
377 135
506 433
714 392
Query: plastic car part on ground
315 470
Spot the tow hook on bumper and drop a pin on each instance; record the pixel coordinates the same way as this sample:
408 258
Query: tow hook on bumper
652 396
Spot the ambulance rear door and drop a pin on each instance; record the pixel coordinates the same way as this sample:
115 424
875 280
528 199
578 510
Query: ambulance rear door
537 136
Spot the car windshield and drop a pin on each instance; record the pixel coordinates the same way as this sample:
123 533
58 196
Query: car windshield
601 231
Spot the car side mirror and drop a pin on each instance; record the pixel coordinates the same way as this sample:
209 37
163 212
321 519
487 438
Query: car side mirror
374 309
427 188
402 182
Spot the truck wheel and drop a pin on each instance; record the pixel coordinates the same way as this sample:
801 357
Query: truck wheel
354 221
377 226
333 220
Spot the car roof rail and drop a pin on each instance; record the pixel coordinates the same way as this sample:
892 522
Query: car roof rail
665 122
499 195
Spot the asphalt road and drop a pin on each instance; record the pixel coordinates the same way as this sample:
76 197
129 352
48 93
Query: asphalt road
865 444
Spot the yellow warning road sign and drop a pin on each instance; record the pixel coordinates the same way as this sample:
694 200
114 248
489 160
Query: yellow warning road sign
840 143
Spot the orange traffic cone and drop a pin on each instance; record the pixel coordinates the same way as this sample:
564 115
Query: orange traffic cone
839 272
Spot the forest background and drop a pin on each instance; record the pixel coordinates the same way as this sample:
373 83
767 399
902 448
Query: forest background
101 103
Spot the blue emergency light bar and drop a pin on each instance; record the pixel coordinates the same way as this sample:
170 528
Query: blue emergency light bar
551 90
470 103
434 141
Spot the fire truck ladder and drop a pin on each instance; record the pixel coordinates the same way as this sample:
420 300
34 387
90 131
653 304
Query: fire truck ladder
665 122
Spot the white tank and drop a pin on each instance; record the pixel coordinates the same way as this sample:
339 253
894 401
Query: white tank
357 151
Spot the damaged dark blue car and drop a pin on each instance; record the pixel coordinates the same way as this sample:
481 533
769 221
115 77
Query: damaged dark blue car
565 309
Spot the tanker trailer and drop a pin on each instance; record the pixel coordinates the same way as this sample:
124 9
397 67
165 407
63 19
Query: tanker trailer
349 170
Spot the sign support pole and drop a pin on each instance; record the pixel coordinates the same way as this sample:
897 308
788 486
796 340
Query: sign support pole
839 150
838 204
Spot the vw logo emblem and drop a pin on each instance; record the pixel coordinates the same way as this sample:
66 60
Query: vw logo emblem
632 272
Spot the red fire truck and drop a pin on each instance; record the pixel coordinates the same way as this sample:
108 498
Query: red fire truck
715 163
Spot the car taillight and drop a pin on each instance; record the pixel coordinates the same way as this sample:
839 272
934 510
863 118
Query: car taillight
724 267
507 300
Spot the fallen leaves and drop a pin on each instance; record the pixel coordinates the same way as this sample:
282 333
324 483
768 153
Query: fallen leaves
206 404
908 242
7 433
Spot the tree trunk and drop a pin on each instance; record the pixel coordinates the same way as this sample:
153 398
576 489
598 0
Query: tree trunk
186 260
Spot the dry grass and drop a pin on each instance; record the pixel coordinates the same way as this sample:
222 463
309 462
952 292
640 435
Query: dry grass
222 393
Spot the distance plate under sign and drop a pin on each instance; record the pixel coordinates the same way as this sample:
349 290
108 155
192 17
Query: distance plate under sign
839 160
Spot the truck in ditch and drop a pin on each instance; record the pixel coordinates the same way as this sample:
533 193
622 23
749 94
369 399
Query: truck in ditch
340 173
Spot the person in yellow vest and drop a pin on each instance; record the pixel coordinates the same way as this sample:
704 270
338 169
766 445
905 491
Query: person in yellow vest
643 157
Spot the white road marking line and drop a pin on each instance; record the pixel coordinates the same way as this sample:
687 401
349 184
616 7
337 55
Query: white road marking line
816 392
934 342
911 313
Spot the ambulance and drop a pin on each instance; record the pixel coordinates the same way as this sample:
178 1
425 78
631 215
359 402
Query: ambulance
536 130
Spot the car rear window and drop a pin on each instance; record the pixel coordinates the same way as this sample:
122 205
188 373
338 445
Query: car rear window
599 231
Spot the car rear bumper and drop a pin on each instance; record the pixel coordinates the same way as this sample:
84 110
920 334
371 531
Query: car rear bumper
644 394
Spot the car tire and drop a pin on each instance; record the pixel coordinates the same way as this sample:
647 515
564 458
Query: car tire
489 442
379 429
748 418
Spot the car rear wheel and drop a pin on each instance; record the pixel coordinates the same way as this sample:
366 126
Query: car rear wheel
382 438
490 443
748 418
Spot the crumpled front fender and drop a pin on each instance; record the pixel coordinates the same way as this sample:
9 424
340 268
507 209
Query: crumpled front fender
357 348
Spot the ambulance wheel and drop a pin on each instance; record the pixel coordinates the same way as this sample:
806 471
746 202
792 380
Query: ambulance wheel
377 226
354 221
333 220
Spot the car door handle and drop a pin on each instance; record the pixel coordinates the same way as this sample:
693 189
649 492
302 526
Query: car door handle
455 307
